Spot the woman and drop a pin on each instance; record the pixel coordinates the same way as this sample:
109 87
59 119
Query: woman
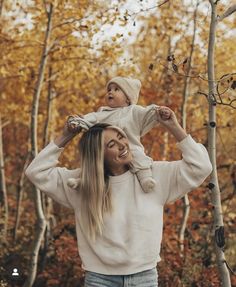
119 228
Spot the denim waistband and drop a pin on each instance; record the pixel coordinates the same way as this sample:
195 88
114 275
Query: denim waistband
146 278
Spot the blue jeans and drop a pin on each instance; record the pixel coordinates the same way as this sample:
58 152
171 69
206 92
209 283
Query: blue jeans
142 279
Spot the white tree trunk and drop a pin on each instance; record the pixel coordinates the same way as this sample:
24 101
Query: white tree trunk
41 222
168 85
186 207
19 197
47 201
214 186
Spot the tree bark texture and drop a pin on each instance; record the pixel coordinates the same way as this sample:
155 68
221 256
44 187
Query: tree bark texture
19 197
186 207
214 185
41 222
47 201
49 110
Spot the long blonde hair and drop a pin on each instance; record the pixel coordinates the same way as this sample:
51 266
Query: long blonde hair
94 180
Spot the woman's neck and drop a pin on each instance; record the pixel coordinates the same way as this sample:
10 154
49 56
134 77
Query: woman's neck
119 171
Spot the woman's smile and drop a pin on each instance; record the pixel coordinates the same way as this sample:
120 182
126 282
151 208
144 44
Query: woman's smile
124 153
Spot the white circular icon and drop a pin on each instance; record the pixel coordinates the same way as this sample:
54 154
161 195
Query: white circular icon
15 272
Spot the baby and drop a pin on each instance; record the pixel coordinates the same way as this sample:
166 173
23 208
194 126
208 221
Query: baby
122 111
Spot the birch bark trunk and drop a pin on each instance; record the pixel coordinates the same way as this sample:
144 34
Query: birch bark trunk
41 222
19 197
186 207
47 201
214 185
168 85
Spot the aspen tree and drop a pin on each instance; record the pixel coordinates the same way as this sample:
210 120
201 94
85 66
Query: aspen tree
214 185
186 208
20 197
47 201
41 223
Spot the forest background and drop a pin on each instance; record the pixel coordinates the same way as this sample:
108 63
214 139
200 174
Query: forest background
56 58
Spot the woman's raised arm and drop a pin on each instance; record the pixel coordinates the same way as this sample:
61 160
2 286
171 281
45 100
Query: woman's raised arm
182 176
44 173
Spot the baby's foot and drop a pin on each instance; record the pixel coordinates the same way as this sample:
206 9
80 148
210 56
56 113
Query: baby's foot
148 184
73 182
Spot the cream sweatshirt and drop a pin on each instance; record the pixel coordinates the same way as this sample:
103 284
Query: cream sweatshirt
132 234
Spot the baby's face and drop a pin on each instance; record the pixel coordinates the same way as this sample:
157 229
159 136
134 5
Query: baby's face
115 97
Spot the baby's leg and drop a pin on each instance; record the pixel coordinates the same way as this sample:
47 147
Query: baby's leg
146 180
141 166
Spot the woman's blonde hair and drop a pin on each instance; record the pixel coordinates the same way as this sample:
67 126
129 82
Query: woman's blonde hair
94 180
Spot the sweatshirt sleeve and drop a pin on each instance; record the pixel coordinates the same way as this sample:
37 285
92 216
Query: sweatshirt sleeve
145 117
179 177
45 175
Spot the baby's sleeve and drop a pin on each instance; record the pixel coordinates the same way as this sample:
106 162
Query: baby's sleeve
146 118
91 119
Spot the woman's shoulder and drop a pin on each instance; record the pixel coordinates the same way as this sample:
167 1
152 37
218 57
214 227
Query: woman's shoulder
163 168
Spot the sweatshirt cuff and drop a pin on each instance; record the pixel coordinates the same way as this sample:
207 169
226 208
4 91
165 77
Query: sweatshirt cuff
54 146
188 140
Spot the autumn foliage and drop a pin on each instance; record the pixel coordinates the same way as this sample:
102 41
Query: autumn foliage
90 42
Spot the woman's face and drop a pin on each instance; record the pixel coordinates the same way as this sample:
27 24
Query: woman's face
116 151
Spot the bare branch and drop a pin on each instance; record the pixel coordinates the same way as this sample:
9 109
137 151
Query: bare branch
150 8
227 13
204 94
74 20
230 269
193 77
71 21
230 104
183 75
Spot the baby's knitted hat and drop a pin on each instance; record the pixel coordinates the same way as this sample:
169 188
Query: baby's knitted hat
131 87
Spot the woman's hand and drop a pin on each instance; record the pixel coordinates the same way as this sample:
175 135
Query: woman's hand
166 116
168 119
68 133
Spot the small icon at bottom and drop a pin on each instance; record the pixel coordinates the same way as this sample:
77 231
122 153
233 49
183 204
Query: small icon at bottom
15 272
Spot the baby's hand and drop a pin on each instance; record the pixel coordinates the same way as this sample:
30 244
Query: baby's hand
163 113
73 123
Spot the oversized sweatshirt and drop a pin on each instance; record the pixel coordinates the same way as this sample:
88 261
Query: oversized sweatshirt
132 233
135 121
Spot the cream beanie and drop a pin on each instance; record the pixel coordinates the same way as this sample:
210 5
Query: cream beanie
131 87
